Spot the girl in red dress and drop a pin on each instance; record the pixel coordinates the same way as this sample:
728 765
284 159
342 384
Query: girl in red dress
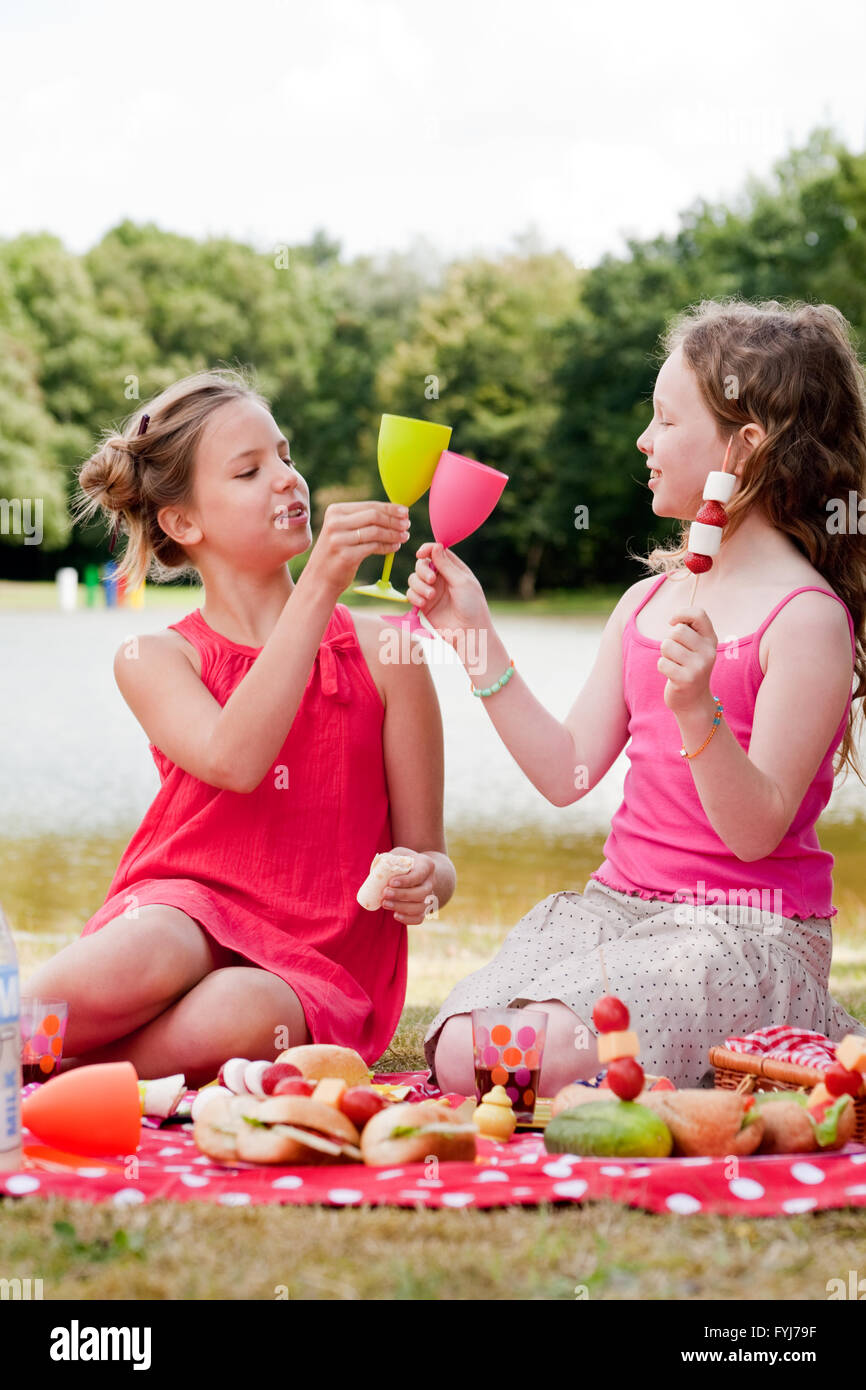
290 751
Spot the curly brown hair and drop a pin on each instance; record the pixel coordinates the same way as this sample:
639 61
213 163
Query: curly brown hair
796 372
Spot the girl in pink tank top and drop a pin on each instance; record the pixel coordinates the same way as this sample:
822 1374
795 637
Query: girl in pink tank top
713 903
232 925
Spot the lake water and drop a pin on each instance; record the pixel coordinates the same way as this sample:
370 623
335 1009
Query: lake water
77 777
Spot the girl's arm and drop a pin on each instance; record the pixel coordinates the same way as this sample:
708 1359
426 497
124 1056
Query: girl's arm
563 759
415 772
750 799
234 745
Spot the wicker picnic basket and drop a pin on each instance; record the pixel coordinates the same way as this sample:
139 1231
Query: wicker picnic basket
742 1071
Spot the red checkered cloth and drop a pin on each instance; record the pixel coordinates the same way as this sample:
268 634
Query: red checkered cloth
796 1045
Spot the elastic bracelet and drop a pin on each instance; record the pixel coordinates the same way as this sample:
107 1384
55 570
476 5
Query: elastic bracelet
716 722
503 680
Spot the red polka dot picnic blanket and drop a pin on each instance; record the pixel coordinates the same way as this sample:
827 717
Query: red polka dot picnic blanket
520 1173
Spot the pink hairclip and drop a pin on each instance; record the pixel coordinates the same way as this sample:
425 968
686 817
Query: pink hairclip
115 530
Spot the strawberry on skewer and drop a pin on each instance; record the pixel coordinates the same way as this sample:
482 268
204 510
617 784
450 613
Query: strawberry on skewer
705 532
616 1045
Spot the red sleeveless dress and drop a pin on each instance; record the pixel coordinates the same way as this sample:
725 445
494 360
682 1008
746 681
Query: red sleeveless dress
272 874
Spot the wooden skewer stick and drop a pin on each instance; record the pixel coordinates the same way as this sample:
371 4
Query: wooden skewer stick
603 971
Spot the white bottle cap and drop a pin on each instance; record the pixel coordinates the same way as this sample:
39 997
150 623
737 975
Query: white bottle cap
719 487
703 539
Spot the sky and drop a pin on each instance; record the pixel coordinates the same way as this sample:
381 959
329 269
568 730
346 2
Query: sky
454 127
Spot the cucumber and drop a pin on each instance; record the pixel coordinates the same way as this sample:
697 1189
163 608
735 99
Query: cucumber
766 1097
609 1129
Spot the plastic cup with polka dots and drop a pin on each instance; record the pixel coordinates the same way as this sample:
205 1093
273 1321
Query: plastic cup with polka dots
507 1046
43 1025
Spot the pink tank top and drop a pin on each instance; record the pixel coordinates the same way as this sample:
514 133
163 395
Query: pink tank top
661 844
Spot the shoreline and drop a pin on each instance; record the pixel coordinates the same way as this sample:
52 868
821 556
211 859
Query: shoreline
39 595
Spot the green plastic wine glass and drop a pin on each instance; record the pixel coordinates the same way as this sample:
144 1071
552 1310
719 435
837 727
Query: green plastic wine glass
409 451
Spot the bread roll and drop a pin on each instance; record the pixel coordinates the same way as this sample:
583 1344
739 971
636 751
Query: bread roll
454 1142
215 1130
315 1060
283 1124
383 868
706 1123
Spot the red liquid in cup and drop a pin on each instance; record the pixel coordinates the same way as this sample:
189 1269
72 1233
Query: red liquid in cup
31 1071
523 1109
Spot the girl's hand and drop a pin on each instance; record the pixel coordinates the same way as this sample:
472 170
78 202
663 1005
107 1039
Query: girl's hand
350 532
447 592
411 895
687 659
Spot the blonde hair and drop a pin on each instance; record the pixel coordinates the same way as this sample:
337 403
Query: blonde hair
131 477
793 369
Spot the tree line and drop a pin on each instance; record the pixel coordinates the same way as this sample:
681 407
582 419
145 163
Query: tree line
543 368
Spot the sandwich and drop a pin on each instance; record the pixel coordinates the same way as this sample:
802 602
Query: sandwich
410 1132
708 1123
792 1127
282 1129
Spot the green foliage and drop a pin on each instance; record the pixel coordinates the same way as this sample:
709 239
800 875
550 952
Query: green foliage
543 370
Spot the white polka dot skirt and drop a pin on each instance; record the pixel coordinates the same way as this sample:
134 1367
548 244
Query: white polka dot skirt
690 976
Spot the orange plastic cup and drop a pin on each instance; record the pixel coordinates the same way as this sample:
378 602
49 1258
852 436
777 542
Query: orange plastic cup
92 1110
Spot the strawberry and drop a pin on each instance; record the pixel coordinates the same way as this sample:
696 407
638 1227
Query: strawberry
712 514
610 1014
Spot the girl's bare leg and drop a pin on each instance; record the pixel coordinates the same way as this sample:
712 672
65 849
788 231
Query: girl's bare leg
569 1051
235 1011
121 976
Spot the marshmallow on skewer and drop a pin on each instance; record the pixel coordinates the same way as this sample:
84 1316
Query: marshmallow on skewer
705 532
383 867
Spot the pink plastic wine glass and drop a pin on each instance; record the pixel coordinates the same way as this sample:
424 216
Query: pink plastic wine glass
463 493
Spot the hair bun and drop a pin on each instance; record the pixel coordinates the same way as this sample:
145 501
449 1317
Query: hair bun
109 475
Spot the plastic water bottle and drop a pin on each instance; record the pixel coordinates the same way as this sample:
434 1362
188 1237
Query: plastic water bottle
10 1052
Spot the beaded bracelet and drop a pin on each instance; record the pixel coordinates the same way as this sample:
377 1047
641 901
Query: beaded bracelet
716 722
503 680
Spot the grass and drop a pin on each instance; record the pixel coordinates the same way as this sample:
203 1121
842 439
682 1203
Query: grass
195 1251
164 1250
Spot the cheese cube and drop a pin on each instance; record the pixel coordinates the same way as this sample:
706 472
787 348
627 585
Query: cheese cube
818 1095
851 1052
329 1090
613 1045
